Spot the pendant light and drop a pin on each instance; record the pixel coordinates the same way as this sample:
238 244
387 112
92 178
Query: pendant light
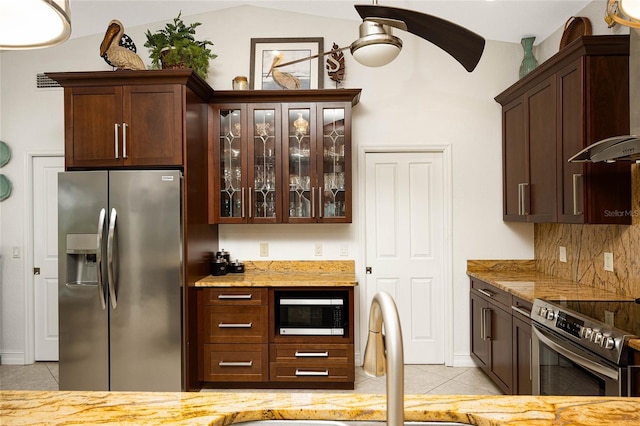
33 24
624 12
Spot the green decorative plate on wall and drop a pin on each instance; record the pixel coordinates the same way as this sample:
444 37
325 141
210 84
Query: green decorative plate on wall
5 153
5 188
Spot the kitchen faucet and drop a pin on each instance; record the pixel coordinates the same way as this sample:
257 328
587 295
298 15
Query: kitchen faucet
384 353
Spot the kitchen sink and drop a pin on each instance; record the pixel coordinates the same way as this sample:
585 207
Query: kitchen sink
338 423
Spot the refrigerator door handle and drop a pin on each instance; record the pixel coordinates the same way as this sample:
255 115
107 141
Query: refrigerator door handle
101 220
110 271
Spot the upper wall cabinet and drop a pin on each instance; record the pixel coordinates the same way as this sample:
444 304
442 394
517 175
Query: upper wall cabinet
281 156
127 118
577 97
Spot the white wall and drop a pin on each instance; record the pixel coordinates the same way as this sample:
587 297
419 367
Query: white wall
423 98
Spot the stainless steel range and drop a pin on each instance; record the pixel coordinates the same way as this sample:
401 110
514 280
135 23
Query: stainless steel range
581 347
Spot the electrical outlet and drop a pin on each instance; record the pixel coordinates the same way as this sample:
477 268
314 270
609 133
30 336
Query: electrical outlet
264 249
609 318
608 261
344 249
563 254
318 249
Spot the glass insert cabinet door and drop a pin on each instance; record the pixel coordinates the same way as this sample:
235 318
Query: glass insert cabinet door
335 175
232 179
264 198
302 171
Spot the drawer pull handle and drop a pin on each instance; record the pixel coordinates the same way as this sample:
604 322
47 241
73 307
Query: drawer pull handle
312 373
521 311
225 325
235 364
235 296
486 292
312 354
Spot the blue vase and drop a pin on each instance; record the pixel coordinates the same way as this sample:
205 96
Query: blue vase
529 62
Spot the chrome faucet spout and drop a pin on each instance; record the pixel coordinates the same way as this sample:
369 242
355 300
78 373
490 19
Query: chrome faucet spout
384 353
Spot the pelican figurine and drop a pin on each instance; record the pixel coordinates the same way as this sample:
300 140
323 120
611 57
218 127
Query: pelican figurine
282 79
121 57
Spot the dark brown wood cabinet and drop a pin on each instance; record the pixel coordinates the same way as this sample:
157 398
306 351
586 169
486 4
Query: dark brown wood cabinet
281 156
501 337
522 356
235 336
128 118
575 98
491 333
239 345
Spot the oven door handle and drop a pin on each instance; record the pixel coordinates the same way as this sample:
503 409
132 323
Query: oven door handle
580 360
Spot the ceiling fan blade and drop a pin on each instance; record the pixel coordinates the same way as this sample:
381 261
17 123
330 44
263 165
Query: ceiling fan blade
464 45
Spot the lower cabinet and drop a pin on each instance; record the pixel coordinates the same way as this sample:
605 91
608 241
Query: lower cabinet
240 348
309 362
501 337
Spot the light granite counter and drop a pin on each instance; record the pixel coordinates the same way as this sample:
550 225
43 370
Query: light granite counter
287 274
520 278
213 408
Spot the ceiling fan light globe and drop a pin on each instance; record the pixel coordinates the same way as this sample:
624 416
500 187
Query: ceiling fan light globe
377 46
32 24
631 8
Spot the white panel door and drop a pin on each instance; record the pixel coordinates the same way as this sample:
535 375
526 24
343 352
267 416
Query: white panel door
45 255
404 216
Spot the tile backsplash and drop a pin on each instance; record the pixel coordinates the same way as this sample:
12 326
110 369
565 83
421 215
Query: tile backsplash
586 245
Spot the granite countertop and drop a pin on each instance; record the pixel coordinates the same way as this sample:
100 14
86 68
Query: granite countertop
522 280
287 274
223 408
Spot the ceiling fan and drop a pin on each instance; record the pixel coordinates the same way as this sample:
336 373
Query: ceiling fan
378 46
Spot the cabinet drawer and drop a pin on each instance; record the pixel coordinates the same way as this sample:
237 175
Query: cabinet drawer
235 363
492 293
235 324
321 354
287 372
235 296
521 309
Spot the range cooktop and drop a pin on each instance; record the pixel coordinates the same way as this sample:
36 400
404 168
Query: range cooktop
603 327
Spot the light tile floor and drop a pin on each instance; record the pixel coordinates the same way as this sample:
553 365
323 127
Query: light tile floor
418 379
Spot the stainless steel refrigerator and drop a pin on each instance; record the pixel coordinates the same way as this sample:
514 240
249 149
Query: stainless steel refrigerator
120 280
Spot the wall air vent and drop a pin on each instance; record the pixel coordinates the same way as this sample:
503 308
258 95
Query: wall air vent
44 82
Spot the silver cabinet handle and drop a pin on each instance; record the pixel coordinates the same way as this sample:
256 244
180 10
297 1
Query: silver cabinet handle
110 272
231 325
523 198
313 202
116 140
312 373
235 363
486 292
312 354
242 203
320 206
482 331
520 311
124 140
487 325
101 220
250 202
235 296
577 194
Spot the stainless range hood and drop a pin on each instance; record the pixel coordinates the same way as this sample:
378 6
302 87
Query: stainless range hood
626 147
610 150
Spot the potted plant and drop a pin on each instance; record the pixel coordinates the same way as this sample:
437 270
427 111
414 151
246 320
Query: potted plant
175 46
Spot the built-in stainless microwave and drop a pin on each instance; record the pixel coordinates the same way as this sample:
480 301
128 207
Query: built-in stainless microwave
311 313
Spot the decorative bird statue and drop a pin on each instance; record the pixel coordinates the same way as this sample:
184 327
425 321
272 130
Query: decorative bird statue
283 79
121 57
